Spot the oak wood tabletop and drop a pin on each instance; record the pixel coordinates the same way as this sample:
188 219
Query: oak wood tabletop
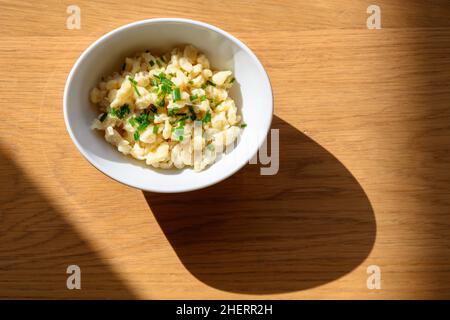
363 184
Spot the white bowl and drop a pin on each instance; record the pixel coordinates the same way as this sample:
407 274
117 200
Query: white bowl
252 93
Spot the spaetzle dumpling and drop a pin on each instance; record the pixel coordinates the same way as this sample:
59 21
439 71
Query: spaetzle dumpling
171 111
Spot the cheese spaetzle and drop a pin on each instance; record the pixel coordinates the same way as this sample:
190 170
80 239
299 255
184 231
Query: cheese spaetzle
169 111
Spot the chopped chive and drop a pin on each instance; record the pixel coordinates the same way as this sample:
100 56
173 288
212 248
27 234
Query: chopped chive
158 62
202 98
182 121
154 83
161 103
210 83
176 95
191 109
121 112
193 97
142 118
152 63
213 102
167 82
103 117
232 80
136 90
243 125
143 125
191 82
136 135
133 122
155 129
179 133
207 117
173 111
134 85
132 80
165 89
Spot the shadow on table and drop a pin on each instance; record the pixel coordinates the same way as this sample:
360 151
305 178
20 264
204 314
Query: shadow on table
306 226
37 244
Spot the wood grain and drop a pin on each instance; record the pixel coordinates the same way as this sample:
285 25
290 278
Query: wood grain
364 173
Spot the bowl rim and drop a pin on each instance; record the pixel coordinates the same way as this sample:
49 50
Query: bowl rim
103 38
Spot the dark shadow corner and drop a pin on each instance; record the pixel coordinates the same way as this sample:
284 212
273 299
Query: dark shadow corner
37 244
308 225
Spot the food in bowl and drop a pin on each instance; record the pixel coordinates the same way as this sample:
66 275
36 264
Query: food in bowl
172 110
251 92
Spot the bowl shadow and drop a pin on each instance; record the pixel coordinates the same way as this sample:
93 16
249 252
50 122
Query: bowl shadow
308 225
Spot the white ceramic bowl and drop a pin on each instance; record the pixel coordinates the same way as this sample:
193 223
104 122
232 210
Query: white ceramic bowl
252 93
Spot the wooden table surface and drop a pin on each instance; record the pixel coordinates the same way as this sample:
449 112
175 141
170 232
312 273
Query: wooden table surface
364 179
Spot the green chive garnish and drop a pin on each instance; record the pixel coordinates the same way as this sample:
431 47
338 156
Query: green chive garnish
207 117
176 95
173 111
191 109
121 112
155 129
103 117
167 82
179 132
243 125
182 121
161 103
142 126
134 85
132 80
133 122
142 118
136 135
